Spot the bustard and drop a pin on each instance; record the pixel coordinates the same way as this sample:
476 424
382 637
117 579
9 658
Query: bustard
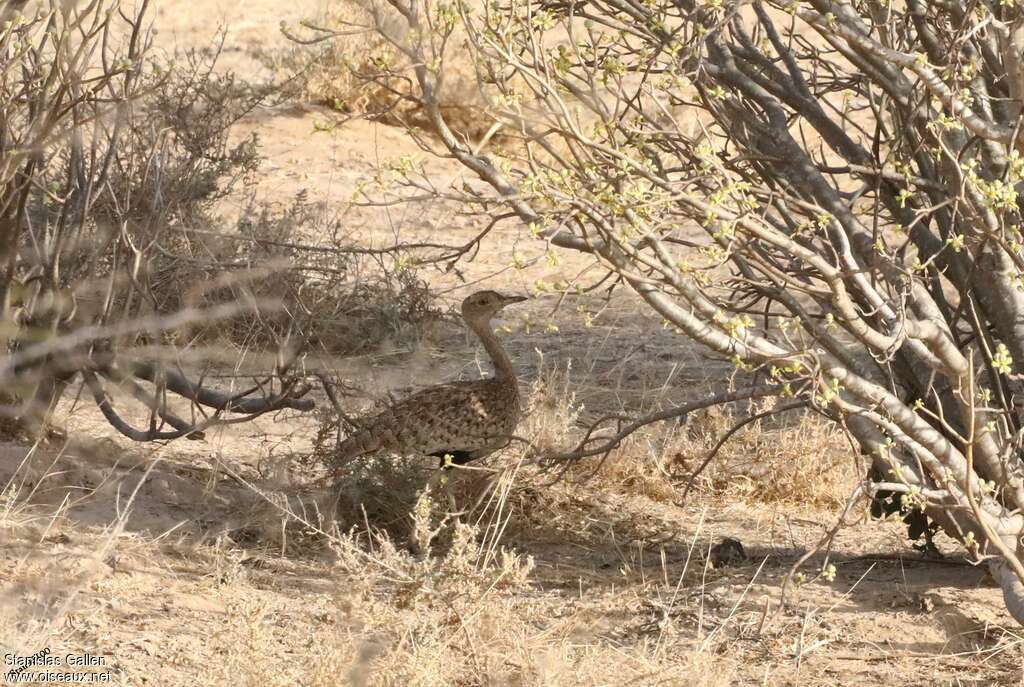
464 420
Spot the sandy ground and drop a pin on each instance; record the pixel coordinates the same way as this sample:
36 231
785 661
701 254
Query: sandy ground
203 583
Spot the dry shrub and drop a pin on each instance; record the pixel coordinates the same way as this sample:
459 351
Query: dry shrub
381 490
798 461
175 157
555 421
360 73
399 496
173 161
336 299
792 460
334 72
177 161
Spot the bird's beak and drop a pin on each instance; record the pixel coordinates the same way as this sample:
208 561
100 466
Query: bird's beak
509 300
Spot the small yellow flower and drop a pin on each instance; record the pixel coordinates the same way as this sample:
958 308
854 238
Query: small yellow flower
1002 361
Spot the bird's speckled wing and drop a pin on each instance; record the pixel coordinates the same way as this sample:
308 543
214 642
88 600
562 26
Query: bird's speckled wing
462 417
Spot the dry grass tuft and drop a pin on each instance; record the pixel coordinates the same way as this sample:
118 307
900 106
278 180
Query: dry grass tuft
552 411
794 459
800 461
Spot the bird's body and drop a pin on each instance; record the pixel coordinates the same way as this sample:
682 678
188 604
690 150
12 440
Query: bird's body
464 420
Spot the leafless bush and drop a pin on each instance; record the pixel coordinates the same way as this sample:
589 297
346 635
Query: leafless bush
342 299
90 177
109 203
174 159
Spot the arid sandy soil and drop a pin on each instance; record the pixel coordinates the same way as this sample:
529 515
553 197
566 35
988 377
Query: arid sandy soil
604 580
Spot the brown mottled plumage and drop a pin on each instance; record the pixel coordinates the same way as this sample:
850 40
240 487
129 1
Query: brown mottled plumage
466 420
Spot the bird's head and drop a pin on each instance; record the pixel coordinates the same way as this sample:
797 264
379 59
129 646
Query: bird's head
483 305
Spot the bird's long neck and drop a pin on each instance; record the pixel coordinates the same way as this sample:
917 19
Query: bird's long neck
502 364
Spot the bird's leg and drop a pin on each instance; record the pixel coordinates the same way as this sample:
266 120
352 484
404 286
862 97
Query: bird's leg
442 477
